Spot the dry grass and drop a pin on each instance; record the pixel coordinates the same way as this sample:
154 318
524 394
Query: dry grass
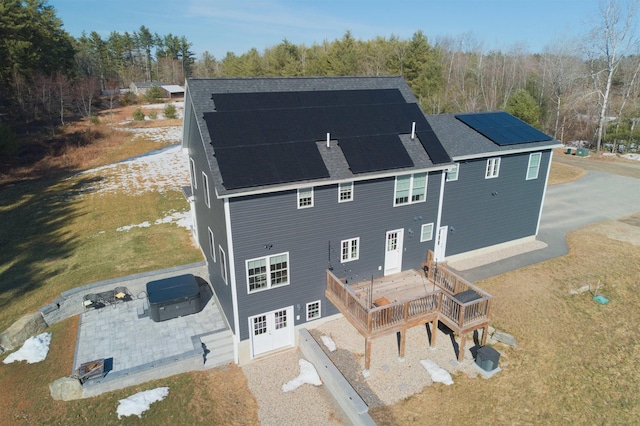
576 360
564 173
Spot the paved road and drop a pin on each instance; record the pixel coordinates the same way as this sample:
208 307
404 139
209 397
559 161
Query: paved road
597 197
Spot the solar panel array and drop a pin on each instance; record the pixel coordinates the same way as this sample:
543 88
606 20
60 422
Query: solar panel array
503 128
271 137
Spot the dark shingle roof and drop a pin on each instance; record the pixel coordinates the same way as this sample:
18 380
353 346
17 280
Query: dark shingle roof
336 164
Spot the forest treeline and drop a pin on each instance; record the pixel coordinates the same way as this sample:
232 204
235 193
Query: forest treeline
573 91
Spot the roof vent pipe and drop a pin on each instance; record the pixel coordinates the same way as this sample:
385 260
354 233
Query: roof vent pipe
328 140
413 130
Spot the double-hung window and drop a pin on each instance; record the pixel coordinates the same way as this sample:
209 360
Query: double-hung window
212 245
305 198
345 192
223 265
410 189
534 165
452 173
426 232
267 272
194 178
350 250
493 168
205 188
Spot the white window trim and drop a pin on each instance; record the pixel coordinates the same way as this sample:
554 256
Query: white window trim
310 205
422 239
319 302
223 265
350 241
212 244
269 286
194 178
205 182
493 168
411 180
531 156
346 200
456 167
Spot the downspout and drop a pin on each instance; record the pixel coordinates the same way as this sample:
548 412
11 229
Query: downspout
442 181
232 280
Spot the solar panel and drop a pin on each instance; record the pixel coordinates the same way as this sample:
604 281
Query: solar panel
247 166
307 99
503 128
434 148
374 153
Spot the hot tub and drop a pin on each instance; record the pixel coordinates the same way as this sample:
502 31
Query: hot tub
173 297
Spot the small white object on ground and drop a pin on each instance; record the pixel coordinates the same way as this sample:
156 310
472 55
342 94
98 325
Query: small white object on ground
438 374
34 349
329 343
308 374
141 401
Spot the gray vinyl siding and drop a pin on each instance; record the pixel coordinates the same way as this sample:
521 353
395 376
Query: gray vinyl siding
209 217
312 237
483 212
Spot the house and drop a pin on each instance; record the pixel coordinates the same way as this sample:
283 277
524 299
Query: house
141 87
295 177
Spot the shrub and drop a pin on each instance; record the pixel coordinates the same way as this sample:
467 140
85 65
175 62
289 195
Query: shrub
94 119
170 111
128 98
153 115
153 94
138 115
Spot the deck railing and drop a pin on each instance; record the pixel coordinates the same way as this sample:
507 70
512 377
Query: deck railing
442 303
378 319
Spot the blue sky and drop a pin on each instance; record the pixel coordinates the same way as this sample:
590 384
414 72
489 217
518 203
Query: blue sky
220 26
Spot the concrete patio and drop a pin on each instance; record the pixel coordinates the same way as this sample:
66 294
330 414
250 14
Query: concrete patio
136 348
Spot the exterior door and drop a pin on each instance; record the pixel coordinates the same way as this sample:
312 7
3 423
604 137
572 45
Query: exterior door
393 252
441 243
271 330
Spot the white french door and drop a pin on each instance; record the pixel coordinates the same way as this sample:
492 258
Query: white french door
393 251
271 330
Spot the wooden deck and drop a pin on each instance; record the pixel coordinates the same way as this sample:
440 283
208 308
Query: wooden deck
397 302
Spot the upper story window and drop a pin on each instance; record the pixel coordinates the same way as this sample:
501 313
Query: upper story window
410 189
534 165
192 167
205 187
350 250
267 272
305 198
345 192
223 265
493 168
452 173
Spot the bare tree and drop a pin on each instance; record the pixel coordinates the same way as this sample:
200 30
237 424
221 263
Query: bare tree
610 39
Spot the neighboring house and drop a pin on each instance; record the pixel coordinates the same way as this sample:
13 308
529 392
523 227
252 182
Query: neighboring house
292 177
141 87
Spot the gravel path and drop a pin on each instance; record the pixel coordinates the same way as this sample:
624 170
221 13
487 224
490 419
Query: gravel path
390 379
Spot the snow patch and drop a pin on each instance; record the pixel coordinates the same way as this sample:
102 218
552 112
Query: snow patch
34 349
634 157
438 374
141 401
329 343
181 219
160 171
308 374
